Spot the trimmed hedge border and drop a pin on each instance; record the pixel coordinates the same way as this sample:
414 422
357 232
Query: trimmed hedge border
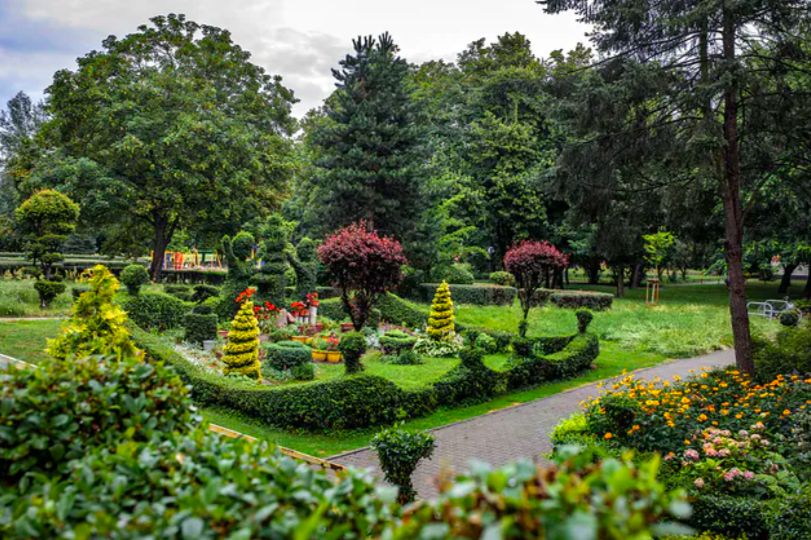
363 400
582 299
478 294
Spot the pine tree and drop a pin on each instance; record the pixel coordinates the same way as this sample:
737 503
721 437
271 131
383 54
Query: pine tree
440 321
368 145
242 349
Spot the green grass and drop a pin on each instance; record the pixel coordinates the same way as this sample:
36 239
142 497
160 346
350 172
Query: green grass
19 299
613 360
25 340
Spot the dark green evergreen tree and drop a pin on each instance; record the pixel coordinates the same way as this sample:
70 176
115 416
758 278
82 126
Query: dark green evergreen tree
368 146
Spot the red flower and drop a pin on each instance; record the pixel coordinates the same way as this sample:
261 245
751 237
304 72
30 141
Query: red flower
245 295
312 299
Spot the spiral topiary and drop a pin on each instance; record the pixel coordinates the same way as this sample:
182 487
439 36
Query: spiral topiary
242 350
440 321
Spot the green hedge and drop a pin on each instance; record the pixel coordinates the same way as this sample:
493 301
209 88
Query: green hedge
200 327
579 299
156 311
363 400
478 294
286 354
396 310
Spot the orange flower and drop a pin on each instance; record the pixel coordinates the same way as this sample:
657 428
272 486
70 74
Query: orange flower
608 436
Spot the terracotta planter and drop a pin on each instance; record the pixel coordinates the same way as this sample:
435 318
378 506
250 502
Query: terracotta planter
300 339
333 357
223 333
347 327
319 356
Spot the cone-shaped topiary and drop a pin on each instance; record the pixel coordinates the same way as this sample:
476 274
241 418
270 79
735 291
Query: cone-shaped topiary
440 321
242 349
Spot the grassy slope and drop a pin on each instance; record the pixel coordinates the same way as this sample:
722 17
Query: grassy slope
25 340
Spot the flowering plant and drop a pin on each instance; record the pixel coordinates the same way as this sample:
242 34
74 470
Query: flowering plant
299 309
312 299
245 295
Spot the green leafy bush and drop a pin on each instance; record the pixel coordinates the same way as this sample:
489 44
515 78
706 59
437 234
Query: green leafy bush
574 499
406 358
790 318
396 341
486 343
472 358
56 411
204 291
184 292
303 372
156 311
285 355
582 299
134 276
395 310
458 273
436 349
332 308
505 279
584 318
399 451
478 294
199 327
48 291
789 353
78 290
352 347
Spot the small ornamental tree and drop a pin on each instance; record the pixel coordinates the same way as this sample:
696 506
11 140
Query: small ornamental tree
242 350
363 265
97 325
531 262
399 452
45 219
440 321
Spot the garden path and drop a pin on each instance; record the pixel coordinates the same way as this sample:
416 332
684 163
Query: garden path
515 432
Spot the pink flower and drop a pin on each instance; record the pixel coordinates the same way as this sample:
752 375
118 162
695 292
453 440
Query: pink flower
723 452
691 454
699 483
748 475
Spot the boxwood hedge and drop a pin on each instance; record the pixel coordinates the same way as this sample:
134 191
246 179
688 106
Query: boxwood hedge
479 294
582 299
363 400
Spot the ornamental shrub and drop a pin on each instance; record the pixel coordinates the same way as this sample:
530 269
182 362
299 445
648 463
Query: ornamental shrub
199 327
398 311
459 274
502 278
407 358
242 350
399 451
78 290
440 320
58 411
97 324
472 358
435 349
790 318
303 372
285 355
486 344
532 264
363 265
44 220
203 292
584 318
595 301
184 292
352 347
789 353
480 294
156 311
48 291
133 276
396 341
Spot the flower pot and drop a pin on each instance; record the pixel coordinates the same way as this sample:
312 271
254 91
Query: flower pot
223 333
300 339
208 344
333 357
347 327
319 356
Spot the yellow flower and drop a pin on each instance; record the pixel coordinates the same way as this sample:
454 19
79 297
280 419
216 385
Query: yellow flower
786 412
702 417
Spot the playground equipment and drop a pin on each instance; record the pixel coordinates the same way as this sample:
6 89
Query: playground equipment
191 260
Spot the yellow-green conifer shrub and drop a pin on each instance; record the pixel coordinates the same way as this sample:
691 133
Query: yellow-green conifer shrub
440 321
97 325
242 350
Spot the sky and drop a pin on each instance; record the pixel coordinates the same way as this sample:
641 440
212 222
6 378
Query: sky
297 39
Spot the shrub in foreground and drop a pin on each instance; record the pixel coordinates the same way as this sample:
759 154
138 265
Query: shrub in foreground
399 452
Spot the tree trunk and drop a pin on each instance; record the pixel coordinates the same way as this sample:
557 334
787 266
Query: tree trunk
164 229
593 271
620 281
637 279
733 210
785 281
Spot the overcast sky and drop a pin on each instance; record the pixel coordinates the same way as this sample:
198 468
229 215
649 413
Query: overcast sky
297 39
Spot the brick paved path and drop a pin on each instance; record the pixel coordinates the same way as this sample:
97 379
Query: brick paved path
515 432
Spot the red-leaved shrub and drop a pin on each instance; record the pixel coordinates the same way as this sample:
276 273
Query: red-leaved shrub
363 265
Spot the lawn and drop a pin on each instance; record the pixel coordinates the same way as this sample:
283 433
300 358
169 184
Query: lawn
25 340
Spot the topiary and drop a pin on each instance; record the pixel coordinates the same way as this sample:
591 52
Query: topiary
440 321
203 292
183 292
286 355
472 358
584 317
502 278
156 311
352 347
200 327
133 276
97 324
45 219
486 344
790 318
242 350
459 274
48 291
396 341
303 372
399 451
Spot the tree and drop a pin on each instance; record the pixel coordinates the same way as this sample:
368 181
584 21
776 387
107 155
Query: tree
368 145
697 55
531 262
363 265
185 130
44 221
658 247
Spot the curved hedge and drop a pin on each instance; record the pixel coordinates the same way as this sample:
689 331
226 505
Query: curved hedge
582 299
364 400
479 294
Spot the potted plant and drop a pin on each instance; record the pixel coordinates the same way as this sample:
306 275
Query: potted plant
333 354
347 327
319 345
